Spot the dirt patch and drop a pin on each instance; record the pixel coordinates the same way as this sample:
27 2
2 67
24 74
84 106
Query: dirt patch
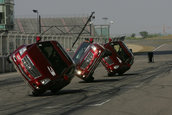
139 48
162 37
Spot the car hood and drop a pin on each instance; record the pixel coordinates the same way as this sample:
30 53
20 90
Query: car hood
41 63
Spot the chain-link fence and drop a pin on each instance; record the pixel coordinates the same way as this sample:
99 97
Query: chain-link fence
5 66
10 41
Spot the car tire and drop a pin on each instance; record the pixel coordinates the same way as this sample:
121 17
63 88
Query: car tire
37 92
57 87
89 79
54 91
8 59
120 73
110 74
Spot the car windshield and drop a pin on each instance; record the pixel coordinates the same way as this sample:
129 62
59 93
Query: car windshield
80 52
52 56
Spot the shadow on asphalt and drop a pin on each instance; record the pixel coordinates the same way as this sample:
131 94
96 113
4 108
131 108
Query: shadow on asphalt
61 92
111 78
130 74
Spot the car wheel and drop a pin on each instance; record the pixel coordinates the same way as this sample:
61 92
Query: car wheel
110 74
8 59
58 86
120 73
54 91
89 79
37 93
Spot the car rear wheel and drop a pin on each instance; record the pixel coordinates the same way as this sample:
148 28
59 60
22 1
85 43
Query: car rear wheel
37 92
54 91
89 79
8 59
110 74
120 73
58 86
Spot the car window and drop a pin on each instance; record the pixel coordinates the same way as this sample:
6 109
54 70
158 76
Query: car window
80 51
52 56
120 51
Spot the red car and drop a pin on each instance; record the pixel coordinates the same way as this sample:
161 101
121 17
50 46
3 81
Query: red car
120 60
87 57
44 66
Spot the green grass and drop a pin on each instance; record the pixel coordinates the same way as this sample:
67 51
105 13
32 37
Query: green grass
157 37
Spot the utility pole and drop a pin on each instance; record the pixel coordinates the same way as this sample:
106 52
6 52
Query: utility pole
38 21
89 19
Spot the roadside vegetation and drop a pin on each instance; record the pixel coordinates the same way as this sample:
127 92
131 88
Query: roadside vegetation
146 35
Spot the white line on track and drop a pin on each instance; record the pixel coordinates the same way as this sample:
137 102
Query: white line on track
100 104
159 47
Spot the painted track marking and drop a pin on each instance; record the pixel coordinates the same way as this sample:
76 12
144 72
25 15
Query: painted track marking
159 47
100 104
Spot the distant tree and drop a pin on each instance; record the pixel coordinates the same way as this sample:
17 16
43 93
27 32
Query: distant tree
154 35
133 35
144 34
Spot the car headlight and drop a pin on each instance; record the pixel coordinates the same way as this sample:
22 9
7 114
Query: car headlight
120 61
45 81
14 57
94 48
116 67
78 72
132 61
21 51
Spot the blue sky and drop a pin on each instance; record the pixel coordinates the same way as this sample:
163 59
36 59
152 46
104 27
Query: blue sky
129 16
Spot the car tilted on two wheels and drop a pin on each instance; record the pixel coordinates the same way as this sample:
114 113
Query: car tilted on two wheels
44 66
120 60
87 57
47 66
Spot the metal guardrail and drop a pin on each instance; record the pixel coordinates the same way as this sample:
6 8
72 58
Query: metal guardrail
10 41
5 66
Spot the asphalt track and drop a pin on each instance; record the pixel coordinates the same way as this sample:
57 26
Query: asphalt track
144 90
